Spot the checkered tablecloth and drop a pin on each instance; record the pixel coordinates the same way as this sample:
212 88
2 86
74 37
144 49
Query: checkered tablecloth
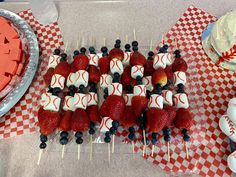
21 118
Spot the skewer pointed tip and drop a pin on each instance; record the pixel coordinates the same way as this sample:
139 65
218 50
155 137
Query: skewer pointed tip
40 156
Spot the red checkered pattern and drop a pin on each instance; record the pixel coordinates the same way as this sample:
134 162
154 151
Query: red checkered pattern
22 118
212 88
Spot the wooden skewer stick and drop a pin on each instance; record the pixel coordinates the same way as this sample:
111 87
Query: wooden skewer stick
133 147
66 45
91 147
113 144
40 156
186 148
134 32
144 139
126 39
109 153
63 151
151 45
168 151
78 151
104 41
153 149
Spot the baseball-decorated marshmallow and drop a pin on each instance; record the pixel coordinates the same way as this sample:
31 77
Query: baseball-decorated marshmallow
45 98
231 112
82 78
159 61
168 59
140 90
156 101
105 80
232 103
80 100
69 104
167 96
179 78
50 102
116 66
93 59
231 160
92 98
228 127
181 100
71 79
57 81
115 89
128 98
105 125
137 70
54 60
100 55
126 58
148 82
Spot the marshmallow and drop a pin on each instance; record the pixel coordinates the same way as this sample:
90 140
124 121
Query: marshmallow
148 82
92 98
105 125
126 58
179 78
51 102
232 103
227 127
93 59
54 60
80 100
181 100
231 112
71 79
69 104
167 95
137 70
168 59
116 66
82 78
57 81
105 80
128 98
232 161
140 90
159 61
100 55
115 89
156 101
45 98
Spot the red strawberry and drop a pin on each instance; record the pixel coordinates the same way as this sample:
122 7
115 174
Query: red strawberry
116 53
172 113
148 68
93 113
94 74
63 68
129 119
81 62
169 73
73 69
80 121
48 76
48 121
103 109
179 65
104 65
159 77
156 119
137 59
126 78
183 119
139 104
65 122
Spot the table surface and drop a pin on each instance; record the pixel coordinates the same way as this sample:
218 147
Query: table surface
19 155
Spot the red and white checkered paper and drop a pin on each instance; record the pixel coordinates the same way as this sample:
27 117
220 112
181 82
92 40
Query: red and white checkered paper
21 118
216 87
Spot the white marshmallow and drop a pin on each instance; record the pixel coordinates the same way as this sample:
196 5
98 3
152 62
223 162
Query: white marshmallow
128 98
54 60
57 81
45 98
137 70
115 89
105 125
227 127
232 103
167 95
181 100
80 100
92 98
179 78
105 80
159 61
140 90
126 58
168 59
69 104
231 112
99 55
93 59
116 66
232 161
71 79
148 82
52 103
82 78
156 101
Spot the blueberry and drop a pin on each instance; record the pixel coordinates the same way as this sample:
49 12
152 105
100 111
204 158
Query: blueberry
56 90
104 50
138 78
91 131
79 140
92 125
178 56
135 48
154 141
115 123
142 126
106 90
57 51
134 43
180 86
63 141
118 41
141 119
139 82
180 91
117 45
107 139
176 52
147 141
81 87
161 50
76 52
166 87
131 136
129 88
154 135
83 50
43 138
113 130
117 75
185 131
165 46
72 88
127 47
131 129
167 138
107 133
150 54
64 134
42 145
71 93
92 50
166 131
105 96
115 80
148 94
186 138
78 134
64 55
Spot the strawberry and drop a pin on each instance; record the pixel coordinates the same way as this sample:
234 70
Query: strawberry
73 69
116 53
103 109
148 68
172 113
159 77
156 119
137 59
179 65
104 65
126 78
93 113
183 119
80 121
81 62
65 122
48 121
129 119
63 68
169 73
48 76
139 104
94 74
